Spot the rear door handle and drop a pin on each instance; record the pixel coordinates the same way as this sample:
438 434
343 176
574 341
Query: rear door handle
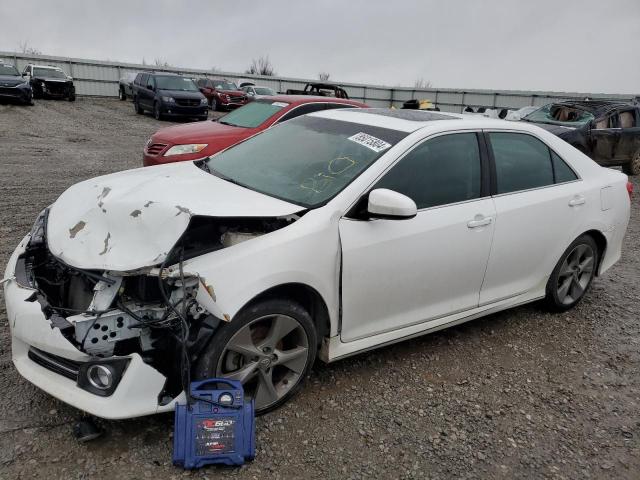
479 222
577 200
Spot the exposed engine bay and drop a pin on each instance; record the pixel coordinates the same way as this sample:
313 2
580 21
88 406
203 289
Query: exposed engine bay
165 314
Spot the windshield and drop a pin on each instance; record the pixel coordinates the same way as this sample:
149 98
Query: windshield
176 83
48 72
555 114
252 114
8 70
220 85
264 91
306 161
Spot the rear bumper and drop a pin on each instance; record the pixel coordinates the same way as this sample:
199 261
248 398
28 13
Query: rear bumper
137 392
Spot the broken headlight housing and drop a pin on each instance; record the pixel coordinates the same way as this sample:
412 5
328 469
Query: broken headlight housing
39 229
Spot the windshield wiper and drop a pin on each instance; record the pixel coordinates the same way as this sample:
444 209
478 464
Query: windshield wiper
228 123
224 177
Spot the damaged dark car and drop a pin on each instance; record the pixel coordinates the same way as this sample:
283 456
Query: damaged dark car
49 82
608 132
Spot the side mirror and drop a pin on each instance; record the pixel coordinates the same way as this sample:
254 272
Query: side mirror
150 87
384 203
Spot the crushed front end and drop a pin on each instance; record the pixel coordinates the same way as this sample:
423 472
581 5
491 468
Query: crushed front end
116 344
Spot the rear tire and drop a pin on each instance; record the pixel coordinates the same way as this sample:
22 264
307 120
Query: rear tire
573 274
269 346
633 167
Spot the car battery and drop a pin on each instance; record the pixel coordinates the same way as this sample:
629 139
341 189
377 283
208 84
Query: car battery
217 427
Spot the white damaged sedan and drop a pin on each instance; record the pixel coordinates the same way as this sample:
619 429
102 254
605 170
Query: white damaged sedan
331 234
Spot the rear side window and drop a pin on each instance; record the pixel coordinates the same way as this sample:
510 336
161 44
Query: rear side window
522 162
561 170
440 171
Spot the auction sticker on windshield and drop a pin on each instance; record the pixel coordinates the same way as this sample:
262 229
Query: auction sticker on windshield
370 142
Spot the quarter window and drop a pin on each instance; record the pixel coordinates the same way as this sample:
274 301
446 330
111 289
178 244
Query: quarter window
522 162
561 170
440 171
302 110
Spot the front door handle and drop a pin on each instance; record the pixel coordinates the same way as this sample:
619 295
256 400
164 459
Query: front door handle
577 200
479 221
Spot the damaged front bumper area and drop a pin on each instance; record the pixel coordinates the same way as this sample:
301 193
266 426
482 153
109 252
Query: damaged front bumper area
108 343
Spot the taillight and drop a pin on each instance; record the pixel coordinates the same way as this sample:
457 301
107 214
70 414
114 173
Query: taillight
630 189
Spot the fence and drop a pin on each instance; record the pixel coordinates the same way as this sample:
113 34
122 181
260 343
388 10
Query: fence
100 78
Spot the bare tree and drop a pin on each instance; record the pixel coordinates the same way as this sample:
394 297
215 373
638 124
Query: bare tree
421 83
324 76
160 62
261 66
25 48
215 69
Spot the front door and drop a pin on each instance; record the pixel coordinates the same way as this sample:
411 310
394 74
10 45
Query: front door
396 273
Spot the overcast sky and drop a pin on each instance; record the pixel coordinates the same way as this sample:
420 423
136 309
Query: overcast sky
562 45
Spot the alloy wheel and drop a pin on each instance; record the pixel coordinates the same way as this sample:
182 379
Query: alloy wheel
575 274
268 356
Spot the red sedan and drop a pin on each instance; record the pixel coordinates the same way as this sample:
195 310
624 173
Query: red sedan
201 139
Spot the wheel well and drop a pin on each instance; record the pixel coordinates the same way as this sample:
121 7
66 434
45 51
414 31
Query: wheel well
308 297
601 242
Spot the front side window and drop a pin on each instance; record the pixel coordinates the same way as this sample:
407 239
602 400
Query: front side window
325 157
440 171
252 114
560 114
522 162
175 83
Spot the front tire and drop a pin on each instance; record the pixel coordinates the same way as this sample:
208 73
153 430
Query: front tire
269 346
633 167
121 95
157 114
573 274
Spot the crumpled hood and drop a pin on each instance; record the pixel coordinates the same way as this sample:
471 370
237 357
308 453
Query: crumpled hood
52 79
132 219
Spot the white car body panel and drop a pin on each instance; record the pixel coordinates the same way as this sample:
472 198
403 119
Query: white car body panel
401 272
390 290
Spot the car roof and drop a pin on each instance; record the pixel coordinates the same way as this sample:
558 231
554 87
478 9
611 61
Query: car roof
413 120
301 99
595 106
50 67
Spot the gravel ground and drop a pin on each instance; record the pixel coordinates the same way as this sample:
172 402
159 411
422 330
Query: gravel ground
519 394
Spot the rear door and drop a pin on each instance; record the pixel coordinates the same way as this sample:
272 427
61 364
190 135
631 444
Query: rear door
604 137
629 142
539 203
396 273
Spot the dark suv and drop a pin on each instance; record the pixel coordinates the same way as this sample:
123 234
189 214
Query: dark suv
13 86
222 94
606 131
49 82
168 94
